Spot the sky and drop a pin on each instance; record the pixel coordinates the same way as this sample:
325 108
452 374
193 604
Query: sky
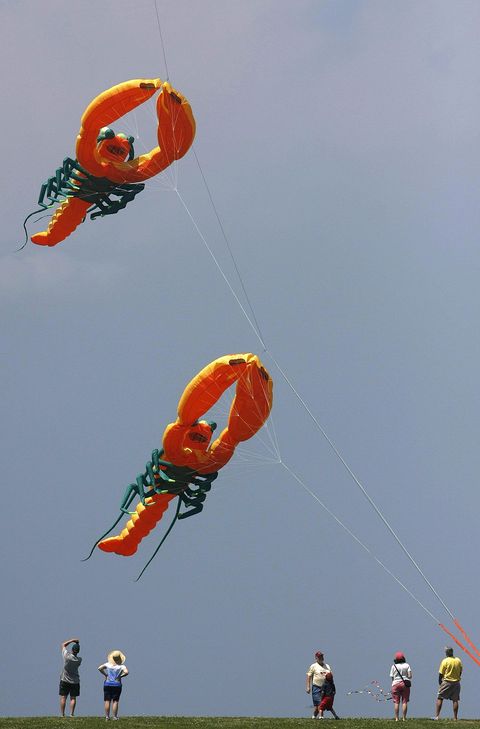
339 143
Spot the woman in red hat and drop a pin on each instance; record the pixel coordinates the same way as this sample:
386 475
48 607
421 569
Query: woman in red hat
401 675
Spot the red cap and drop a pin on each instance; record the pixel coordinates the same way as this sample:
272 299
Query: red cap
399 656
319 654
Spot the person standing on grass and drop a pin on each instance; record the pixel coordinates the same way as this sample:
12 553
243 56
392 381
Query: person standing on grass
449 675
401 675
327 695
69 678
113 670
315 680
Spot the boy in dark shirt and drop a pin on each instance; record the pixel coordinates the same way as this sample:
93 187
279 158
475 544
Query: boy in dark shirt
327 695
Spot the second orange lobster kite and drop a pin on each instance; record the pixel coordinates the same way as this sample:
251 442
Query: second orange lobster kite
188 464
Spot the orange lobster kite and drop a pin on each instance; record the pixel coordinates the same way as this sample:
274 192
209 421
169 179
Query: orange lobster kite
106 175
188 458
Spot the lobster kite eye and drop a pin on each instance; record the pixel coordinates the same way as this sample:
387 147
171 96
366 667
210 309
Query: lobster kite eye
105 133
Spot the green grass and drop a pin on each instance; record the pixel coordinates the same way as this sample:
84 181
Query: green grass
182 722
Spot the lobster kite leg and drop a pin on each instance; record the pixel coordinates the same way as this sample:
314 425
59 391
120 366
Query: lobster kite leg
68 215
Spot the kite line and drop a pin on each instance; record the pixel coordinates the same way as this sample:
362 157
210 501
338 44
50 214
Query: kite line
254 325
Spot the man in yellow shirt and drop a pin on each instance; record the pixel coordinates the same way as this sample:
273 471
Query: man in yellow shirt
449 675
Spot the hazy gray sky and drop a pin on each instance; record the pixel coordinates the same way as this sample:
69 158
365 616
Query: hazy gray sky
339 140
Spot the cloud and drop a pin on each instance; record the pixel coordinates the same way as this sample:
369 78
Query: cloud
53 271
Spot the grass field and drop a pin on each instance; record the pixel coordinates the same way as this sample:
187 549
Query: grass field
185 722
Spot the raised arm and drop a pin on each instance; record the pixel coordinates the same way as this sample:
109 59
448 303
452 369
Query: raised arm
68 642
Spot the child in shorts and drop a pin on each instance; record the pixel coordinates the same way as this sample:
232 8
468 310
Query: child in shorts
326 695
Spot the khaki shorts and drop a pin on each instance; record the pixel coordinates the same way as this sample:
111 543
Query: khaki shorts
449 690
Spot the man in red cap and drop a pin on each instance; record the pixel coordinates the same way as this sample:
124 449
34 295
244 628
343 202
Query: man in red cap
315 679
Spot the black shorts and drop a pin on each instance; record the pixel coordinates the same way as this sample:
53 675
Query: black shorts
111 693
69 688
